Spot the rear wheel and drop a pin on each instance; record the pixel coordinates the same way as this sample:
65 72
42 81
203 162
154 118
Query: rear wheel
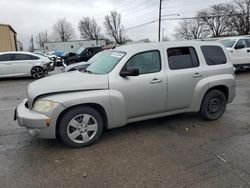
37 72
213 105
81 126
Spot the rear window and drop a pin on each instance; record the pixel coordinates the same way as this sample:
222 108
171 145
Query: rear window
214 55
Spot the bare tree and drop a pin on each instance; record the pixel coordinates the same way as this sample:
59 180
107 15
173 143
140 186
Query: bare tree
31 46
89 29
190 29
42 38
217 19
240 19
63 30
114 27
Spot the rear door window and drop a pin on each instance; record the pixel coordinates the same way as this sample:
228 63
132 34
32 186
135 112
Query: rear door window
182 58
6 57
19 57
214 55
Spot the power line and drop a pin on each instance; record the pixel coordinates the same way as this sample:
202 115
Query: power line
183 18
128 9
139 6
136 26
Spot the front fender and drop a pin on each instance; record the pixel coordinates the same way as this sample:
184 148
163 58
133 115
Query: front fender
115 112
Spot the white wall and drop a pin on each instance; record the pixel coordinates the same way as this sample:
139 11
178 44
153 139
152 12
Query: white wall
71 45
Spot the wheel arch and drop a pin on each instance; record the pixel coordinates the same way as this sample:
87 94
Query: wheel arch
34 66
99 108
223 88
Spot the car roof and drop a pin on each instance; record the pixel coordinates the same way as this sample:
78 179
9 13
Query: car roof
147 46
21 52
234 37
14 52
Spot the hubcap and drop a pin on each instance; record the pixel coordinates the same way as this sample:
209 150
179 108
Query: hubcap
82 128
214 105
37 72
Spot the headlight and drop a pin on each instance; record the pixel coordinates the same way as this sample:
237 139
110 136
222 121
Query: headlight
43 106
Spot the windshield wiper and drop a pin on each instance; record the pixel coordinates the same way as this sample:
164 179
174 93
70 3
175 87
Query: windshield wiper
88 71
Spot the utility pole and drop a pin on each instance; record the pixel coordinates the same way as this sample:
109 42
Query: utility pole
162 34
159 29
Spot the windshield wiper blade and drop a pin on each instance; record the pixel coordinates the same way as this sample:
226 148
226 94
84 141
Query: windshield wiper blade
88 71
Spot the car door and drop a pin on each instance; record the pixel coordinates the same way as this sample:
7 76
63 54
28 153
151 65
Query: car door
5 64
247 41
183 75
23 63
241 52
144 94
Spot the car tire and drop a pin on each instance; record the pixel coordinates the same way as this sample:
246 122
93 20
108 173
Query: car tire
37 72
81 126
213 105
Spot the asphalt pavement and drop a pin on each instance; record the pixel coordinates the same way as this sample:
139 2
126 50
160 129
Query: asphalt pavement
175 151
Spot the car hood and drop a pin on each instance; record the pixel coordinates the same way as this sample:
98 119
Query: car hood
66 82
75 65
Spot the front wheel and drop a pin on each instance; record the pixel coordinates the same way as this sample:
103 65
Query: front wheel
213 105
37 72
80 126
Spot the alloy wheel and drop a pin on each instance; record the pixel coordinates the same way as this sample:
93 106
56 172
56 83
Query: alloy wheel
82 128
37 72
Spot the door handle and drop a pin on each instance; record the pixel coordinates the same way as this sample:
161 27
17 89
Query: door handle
197 75
155 81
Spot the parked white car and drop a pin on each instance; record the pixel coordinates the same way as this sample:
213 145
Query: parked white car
14 64
238 49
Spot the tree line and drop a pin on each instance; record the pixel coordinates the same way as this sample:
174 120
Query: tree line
224 19
218 20
63 30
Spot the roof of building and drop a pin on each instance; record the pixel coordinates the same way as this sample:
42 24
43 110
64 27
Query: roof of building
6 25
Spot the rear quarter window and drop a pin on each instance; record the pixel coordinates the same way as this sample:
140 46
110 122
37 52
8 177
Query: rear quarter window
214 55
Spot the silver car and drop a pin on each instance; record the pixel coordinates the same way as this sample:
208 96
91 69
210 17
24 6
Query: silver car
129 84
14 64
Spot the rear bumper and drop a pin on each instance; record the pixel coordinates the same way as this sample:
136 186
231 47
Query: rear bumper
37 123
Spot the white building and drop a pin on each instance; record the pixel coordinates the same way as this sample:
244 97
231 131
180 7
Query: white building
71 46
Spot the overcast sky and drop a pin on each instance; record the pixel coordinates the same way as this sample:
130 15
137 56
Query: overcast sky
29 17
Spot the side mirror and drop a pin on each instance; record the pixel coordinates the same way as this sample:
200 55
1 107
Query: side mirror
130 72
239 46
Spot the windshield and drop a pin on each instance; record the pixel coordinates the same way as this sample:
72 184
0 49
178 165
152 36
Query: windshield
92 59
228 43
79 51
104 62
